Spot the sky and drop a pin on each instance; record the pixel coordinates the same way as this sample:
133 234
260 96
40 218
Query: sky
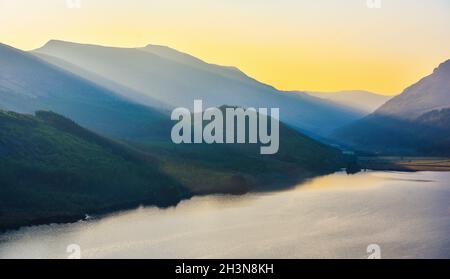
315 45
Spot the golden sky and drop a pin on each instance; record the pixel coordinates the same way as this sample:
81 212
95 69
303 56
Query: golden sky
317 45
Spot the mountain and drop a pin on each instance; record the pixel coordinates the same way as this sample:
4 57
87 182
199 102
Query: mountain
52 170
28 83
176 79
48 87
430 93
415 123
359 100
239 168
118 89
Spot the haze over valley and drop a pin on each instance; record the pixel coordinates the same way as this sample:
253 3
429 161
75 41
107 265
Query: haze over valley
224 129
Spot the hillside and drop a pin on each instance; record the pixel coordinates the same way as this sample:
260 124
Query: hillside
52 170
238 168
366 102
177 79
28 84
428 94
414 123
43 86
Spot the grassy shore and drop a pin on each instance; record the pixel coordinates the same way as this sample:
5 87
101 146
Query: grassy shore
405 163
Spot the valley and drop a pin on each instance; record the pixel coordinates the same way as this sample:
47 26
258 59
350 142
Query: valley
79 137
400 163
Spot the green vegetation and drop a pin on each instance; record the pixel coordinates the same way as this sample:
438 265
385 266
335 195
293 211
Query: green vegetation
395 163
53 170
427 135
238 168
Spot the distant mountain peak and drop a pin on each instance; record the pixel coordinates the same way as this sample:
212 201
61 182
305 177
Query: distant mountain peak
180 56
6 48
360 100
176 78
56 43
414 122
443 67
160 47
171 53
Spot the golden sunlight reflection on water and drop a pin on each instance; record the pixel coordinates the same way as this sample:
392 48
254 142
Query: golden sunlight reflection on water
335 216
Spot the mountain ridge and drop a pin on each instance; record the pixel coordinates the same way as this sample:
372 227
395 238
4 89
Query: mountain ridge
28 84
429 93
415 122
365 101
53 170
178 84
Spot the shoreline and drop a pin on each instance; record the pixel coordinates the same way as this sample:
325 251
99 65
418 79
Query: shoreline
366 163
74 218
405 164
289 181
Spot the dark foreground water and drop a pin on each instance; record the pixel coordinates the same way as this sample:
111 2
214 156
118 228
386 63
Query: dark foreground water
406 215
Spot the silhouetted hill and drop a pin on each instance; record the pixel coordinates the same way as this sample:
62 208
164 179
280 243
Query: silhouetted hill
359 100
415 122
28 84
177 79
430 93
52 170
208 168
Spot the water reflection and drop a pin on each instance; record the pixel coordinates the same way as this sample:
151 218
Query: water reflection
335 216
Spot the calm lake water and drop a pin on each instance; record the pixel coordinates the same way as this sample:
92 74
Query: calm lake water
337 216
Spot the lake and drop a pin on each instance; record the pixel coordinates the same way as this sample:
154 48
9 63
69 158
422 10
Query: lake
405 215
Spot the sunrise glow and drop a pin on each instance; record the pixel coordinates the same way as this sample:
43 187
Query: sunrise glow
323 45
